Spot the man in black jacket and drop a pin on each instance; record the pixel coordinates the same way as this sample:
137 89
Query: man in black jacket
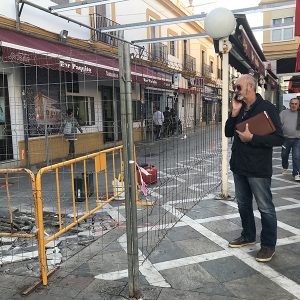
251 164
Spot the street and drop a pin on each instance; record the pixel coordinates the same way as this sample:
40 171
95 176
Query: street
192 259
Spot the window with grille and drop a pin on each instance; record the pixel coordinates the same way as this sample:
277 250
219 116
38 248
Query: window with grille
283 34
172 48
211 66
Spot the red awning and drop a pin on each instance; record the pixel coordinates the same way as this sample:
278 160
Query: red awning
297 18
25 49
298 60
252 54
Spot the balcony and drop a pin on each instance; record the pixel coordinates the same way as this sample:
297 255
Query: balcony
158 53
189 64
97 22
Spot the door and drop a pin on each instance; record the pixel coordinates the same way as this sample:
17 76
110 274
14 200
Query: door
6 150
111 116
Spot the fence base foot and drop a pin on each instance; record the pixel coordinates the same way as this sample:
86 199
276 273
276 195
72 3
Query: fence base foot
30 289
144 203
224 197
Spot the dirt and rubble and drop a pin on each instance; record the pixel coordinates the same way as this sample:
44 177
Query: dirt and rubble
19 256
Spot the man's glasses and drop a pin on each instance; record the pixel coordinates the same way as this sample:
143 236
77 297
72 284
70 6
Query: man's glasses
237 87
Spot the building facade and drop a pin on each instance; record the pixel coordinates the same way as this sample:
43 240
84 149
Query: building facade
280 47
44 73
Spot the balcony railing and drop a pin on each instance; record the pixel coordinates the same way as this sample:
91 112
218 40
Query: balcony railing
189 63
206 71
158 52
97 22
219 73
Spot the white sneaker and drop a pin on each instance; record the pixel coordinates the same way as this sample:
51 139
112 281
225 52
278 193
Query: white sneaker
284 171
297 177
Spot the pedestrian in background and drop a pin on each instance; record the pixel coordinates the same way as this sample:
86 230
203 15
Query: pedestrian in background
290 120
158 120
167 121
70 130
251 164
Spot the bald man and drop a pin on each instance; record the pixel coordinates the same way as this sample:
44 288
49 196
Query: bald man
251 164
290 120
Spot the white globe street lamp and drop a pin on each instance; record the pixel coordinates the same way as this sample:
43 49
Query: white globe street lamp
219 24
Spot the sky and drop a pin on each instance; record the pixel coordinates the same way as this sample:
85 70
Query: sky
253 19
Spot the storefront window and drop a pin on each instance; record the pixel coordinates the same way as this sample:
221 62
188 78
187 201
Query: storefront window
84 109
136 110
45 97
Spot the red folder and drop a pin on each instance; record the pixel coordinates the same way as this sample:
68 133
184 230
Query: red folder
260 124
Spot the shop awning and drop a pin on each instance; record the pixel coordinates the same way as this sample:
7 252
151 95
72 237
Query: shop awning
251 53
25 49
271 79
298 60
297 18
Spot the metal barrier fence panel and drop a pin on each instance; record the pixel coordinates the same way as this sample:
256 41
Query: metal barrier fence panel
18 221
188 166
74 191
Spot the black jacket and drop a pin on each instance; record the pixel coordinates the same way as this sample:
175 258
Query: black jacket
254 159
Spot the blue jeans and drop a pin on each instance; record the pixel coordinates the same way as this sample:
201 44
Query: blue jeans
293 144
260 188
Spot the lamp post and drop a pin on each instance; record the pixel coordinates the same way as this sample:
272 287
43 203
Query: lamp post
219 24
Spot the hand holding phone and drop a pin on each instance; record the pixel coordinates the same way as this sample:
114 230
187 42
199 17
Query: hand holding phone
236 105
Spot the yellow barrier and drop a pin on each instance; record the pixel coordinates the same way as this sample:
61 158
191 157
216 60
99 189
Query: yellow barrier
33 186
100 165
31 175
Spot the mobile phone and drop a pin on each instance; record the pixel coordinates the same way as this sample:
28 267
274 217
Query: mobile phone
237 97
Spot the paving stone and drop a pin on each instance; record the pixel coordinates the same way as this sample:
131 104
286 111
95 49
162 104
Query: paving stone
221 226
201 213
198 246
165 251
215 289
103 263
99 286
172 294
102 296
190 277
223 209
292 273
182 233
255 287
228 269
284 258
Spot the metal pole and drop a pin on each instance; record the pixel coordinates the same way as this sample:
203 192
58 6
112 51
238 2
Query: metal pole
130 203
131 173
115 108
46 143
225 46
26 141
17 14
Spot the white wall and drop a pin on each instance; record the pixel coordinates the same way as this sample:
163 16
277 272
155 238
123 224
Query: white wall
15 104
47 21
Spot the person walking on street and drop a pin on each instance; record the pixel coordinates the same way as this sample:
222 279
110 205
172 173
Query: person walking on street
290 120
167 121
251 164
70 129
158 120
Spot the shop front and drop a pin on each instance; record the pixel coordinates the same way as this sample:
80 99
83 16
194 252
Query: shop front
42 79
